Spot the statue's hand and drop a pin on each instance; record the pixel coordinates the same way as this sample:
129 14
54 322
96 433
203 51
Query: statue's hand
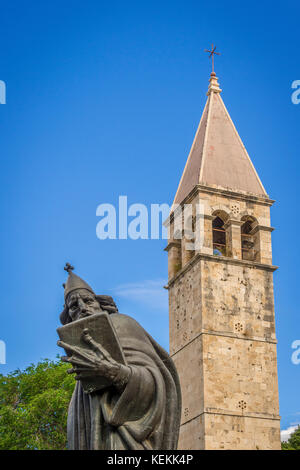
95 361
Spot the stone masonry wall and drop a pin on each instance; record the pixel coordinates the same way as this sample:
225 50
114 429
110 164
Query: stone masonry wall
222 339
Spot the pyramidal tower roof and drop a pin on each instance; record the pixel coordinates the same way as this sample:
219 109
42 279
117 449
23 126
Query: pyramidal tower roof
218 157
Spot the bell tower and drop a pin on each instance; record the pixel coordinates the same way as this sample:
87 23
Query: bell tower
221 303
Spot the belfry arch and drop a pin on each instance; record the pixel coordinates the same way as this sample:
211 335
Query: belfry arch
219 237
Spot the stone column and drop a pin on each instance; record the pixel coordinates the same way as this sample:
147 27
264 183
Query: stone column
186 252
262 243
233 238
204 228
174 258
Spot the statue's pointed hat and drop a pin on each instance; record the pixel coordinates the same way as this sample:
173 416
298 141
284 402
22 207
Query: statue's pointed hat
74 281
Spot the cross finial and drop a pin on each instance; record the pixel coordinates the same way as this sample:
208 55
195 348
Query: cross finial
211 55
68 268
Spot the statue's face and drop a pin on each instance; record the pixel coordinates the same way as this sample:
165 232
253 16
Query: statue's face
82 303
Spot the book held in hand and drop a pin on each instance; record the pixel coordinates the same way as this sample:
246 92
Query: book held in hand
103 332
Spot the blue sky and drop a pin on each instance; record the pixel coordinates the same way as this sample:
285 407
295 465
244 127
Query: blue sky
103 99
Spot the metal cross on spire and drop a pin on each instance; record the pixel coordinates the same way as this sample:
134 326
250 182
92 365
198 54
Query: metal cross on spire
68 268
211 55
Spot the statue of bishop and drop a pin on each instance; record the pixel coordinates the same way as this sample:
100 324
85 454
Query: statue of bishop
139 405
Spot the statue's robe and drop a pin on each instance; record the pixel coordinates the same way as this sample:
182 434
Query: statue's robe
146 415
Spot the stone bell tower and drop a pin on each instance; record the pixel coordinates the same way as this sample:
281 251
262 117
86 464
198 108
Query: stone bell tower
222 327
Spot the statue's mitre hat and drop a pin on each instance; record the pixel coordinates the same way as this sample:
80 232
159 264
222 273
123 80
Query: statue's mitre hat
74 282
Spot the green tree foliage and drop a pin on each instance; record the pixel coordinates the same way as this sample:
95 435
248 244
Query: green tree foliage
34 406
294 441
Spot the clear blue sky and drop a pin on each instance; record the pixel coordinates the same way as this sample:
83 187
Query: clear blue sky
103 99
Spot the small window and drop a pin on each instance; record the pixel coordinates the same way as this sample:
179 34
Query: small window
219 237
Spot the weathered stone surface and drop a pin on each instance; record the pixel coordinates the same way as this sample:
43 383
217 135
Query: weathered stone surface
222 333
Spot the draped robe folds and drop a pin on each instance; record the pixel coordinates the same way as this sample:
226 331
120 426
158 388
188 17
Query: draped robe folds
146 415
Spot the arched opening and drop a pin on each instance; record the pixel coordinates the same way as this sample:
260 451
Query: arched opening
188 237
219 236
248 240
176 255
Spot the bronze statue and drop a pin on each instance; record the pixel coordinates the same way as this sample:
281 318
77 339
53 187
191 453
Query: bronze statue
130 403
